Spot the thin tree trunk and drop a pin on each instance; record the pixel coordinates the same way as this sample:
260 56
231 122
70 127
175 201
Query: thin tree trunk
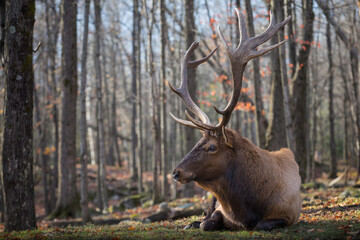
43 157
140 142
299 97
276 133
333 170
100 120
17 154
113 128
261 123
163 77
346 107
134 95
68 202
83 124
314 114
155 106
291 38
189 39
174 126
52 42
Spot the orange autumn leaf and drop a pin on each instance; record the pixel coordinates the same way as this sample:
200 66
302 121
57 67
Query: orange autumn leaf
47 151
131 228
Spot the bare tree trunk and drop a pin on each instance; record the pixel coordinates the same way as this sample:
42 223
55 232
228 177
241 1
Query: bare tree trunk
17 154
134 95
114 146
155 103
314 114
164 183
83 124
100 120
276 133
174 126
52 31
291 38
299 97
333 170
68 201
140 147
261 123
189 39
346 107
43 157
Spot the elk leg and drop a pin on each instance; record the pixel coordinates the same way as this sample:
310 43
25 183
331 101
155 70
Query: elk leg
215 222
269 225
196 224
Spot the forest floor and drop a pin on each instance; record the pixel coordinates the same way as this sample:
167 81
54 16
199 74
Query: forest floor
327 213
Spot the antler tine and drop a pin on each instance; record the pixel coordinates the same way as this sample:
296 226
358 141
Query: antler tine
183 91
269 32
185 122
239 57
242 27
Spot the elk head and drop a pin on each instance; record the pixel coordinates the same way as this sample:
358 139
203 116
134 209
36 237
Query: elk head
217 146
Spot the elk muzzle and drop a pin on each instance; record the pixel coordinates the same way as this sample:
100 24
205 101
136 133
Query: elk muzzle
183 176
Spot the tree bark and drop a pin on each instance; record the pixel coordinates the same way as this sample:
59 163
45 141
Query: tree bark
102 194
189 39
276 133
137 57
134 96
261 122
83 124
68 202
17 154
291 38
44 159
333 169
164 183
156 105
52 29
299 97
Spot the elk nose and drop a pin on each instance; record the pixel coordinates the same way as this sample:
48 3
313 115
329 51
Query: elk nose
176 175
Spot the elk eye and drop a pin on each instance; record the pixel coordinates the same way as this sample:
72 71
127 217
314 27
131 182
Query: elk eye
212 148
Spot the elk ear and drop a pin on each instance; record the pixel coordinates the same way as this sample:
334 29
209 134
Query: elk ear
228 137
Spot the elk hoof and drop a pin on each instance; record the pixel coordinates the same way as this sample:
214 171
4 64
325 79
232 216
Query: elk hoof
193 225
210 225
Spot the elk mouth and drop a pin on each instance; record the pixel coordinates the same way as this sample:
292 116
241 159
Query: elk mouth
177 176
187 180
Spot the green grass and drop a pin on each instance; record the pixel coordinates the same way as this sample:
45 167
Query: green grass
174 230
323 217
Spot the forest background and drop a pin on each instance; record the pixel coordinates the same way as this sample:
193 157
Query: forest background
97 128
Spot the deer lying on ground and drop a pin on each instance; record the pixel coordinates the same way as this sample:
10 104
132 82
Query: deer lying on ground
255 188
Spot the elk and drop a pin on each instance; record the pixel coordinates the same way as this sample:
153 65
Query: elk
255 188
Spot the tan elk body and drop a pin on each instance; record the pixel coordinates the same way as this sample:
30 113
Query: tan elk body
255 188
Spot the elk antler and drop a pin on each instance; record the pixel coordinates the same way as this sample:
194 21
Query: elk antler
183 91
239 57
